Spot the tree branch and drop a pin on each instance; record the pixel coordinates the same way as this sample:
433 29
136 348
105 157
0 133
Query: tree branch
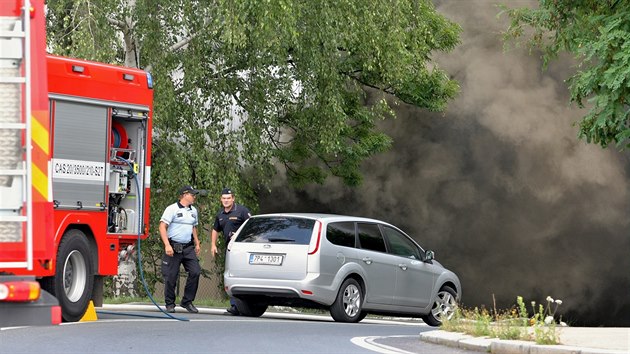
116 22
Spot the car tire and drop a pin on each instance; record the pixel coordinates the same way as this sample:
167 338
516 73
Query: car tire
347 305
73 281
250 308
443 307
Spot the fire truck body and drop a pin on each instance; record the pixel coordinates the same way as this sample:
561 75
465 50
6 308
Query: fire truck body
100 170
82 195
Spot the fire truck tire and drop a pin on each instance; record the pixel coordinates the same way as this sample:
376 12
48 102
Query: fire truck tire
73 281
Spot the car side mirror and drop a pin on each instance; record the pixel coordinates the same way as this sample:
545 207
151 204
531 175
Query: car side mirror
429 255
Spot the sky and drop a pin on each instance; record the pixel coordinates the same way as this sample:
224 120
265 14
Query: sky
498 185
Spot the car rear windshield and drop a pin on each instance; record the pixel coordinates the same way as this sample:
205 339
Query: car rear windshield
288 230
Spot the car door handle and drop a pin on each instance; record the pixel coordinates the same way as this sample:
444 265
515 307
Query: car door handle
367 260
402 266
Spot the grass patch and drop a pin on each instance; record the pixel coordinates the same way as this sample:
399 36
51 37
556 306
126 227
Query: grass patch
514 324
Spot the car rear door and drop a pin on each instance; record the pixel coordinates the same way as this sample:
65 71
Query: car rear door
379 267
274 247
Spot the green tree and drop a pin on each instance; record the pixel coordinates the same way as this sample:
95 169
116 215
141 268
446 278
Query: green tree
597 33
244 86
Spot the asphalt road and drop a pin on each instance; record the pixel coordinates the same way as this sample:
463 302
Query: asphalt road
131 332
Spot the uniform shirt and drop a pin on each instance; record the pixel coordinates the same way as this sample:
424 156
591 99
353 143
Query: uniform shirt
180 221
230 222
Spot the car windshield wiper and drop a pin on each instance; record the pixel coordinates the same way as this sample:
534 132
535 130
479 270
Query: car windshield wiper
280 239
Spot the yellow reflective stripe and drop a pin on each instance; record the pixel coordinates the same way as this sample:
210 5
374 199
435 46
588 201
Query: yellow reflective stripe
40 135
40 181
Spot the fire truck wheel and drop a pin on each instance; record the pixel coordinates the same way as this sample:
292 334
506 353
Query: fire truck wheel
73 281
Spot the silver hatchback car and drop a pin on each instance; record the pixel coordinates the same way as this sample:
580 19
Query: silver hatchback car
350 265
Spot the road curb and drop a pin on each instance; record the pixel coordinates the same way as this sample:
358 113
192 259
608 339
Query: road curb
457 340
500 346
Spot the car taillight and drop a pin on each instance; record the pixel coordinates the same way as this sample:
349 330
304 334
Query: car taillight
313 249
19 291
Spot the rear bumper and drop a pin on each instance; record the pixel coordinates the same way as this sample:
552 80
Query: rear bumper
307 289
259 291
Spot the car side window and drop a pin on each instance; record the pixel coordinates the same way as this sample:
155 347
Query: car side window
341 233
370 237
401 245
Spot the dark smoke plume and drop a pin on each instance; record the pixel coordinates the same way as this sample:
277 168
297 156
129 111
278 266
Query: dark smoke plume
499 186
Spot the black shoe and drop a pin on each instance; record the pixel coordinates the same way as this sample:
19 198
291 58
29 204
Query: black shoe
233 311
170 308
190 308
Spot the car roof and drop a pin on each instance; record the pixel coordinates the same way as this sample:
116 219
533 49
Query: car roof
328 218
323 217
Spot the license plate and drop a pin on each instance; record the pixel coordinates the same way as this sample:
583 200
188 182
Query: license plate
270 259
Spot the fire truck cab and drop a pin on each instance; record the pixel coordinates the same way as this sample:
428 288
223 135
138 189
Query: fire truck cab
75 165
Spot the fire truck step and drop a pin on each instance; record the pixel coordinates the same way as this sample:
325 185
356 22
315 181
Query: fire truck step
13 264
13 218
13 172
12 80
12 126
12 34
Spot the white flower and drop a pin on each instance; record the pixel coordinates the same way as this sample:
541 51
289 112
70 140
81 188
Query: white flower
563 324
549 298
559 302
548 320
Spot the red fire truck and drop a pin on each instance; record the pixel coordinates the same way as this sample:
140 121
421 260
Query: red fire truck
75 162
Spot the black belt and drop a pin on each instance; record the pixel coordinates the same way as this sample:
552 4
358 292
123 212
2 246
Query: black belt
179 243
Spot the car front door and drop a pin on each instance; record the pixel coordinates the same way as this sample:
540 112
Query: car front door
415 279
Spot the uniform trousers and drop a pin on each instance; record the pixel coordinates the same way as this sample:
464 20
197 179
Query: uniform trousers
170 272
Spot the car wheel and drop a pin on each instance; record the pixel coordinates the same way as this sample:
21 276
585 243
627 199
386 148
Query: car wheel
347 305
73 280
250 308
362 316
443 307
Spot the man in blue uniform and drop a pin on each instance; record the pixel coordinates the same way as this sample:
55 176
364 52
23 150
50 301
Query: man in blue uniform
228 220
178 230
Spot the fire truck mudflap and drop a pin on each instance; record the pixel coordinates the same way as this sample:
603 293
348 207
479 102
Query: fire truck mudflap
23 304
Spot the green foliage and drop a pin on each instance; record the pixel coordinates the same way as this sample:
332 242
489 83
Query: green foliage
597 33
245 86
481 322
79 28
544 323
522 310
511 324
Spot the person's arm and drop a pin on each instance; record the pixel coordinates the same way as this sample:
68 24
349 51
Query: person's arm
213 247
164 236
196 240
247 214
214 235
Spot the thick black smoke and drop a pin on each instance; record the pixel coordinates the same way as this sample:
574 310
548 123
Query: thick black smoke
499 186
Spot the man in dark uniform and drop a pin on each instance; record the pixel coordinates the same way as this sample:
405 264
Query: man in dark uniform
228 220
178 230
